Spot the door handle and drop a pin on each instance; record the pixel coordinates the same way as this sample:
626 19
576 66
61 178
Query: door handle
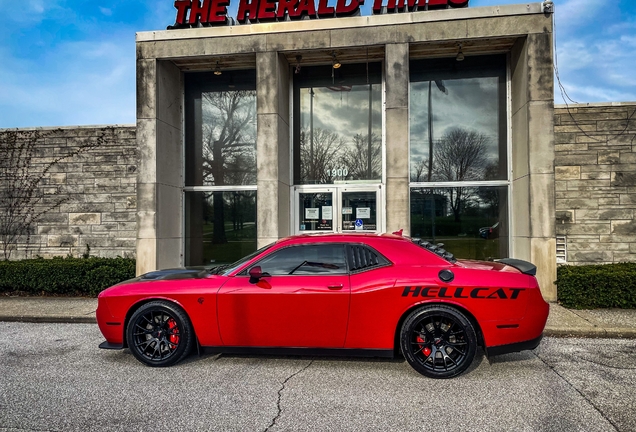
334 287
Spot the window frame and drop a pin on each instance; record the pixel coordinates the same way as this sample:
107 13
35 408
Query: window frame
196 83
508 182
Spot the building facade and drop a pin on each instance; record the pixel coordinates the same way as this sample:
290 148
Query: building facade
439 123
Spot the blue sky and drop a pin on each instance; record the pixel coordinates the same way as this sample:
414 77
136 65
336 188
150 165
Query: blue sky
72 62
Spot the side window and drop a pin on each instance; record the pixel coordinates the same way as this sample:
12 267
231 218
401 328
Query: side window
306 260
362 258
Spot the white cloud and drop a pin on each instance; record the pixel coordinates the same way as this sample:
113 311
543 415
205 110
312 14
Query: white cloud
594 93
574 14
105 11
33 12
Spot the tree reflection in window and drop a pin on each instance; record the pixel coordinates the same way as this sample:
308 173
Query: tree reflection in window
229 137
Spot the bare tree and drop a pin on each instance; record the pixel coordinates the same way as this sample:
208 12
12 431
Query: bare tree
356 157
23 173
319 159
460 155
229 150
418 170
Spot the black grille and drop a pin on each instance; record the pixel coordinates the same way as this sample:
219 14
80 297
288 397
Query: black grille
362 258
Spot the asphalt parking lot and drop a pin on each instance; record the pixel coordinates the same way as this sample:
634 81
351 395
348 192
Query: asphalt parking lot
53 377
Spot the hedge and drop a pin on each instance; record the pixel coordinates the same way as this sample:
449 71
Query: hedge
597 286
64 276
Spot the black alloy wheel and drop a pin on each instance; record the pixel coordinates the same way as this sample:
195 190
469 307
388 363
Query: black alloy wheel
438 341
159 333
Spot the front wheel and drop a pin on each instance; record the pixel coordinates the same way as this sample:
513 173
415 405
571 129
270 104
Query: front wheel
159 333
438 341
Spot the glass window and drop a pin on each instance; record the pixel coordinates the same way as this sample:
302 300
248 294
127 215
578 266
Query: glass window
458 120
221 129
338 124
315 211
471 222
220 167
306 260
220 227
360 207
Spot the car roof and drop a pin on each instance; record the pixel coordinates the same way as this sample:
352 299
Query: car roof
344 237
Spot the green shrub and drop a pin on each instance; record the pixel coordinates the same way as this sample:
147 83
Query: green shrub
597 286
64 276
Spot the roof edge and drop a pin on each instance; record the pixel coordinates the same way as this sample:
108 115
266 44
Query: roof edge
344 22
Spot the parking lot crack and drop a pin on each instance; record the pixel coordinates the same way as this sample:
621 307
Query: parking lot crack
588 400
280 395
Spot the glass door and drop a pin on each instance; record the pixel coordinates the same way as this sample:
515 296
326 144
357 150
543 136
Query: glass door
315 210
338 209
359 210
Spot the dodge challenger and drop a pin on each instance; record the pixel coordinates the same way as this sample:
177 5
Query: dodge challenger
380 295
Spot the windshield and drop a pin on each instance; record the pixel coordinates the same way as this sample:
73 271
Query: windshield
225 269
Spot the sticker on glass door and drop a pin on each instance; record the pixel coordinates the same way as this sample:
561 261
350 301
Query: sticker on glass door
359 211
316 211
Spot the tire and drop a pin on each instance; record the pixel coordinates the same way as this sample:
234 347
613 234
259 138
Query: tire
159 334
438 341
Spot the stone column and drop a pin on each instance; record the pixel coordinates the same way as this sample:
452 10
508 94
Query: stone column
272 147
160 175
533 195
398 215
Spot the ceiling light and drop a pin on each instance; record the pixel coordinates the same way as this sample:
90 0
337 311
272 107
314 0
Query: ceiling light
298 59
460 54
336 64
217 69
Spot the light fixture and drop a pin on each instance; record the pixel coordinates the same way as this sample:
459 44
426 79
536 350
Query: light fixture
336 64
217 69
298 59
231 83
460 54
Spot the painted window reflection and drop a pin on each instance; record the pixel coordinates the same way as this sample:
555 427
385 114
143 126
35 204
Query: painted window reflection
338 127
458 120
472 222
220 227
221 141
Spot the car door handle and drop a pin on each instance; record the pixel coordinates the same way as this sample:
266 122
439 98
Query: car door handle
334 287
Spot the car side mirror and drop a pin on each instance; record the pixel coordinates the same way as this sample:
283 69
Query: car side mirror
256 273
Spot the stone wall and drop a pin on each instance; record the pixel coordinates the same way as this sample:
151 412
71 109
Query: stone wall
595 181
97 188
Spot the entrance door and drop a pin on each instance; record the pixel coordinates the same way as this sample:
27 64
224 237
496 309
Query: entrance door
338 209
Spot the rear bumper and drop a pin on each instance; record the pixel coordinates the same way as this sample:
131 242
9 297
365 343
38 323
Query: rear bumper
111 346
514 347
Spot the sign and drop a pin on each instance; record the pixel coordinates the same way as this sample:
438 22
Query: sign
363 213
327 212
359 225
347 210
195 13
311 213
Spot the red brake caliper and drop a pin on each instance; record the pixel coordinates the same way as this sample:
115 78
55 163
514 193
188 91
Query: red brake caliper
174 330
426 351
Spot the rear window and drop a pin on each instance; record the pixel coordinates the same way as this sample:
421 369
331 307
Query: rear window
437 249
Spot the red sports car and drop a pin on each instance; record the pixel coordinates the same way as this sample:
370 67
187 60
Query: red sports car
351 294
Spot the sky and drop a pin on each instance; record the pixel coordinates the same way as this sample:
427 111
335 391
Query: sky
72 62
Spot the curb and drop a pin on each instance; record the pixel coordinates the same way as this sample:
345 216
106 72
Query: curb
50 319
591 332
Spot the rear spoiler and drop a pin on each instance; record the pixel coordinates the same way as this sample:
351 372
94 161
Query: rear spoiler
521 265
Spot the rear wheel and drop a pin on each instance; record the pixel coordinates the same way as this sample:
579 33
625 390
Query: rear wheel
438 341
159 333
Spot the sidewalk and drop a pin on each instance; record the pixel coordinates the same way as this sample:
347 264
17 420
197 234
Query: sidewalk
610 323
